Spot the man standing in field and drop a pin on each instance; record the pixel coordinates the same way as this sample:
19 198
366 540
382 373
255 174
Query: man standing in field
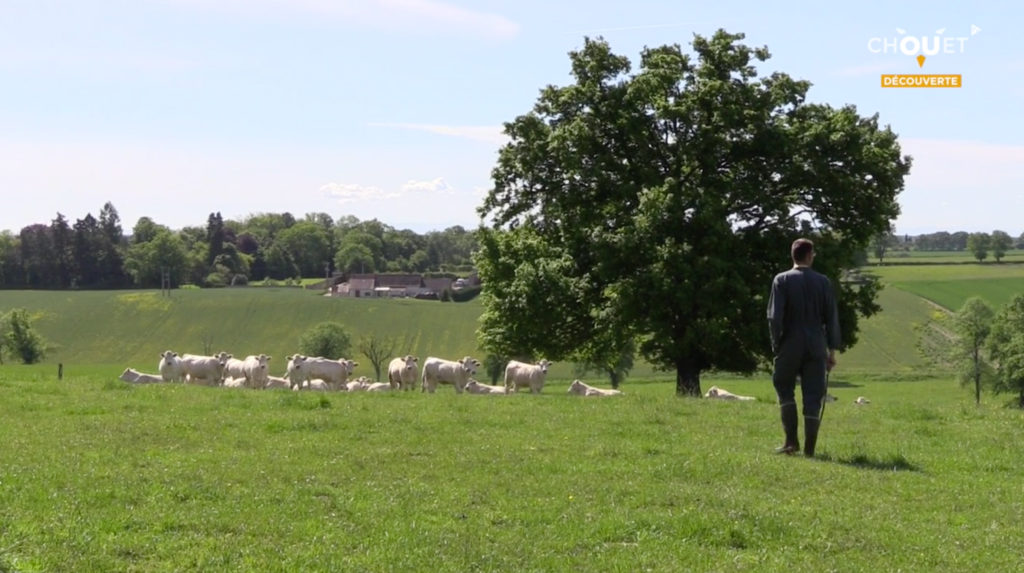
804 325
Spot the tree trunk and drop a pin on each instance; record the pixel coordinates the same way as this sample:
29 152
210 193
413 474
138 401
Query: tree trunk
615 378
687 379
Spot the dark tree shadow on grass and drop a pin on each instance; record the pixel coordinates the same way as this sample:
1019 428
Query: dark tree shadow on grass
842 384
891 463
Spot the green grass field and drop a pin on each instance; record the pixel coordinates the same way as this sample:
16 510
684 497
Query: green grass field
944 257
100 475
951 285
131 328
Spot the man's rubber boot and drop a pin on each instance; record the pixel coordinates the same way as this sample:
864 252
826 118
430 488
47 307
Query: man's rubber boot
789 426
811 426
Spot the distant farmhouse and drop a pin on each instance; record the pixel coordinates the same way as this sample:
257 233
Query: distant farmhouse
398 286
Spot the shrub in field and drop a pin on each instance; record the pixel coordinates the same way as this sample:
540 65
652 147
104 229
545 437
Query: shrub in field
21 339
327 339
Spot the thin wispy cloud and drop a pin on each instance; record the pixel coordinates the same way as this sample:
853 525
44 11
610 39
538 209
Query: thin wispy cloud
349 193
486 133
431 16
346 193
639 27
438 185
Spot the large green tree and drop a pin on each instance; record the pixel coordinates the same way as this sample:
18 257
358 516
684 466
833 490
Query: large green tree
659 204
165 251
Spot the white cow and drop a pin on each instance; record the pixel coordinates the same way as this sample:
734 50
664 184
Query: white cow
230 382
207 370
722 394
316 384
357 385
136 377
379 387
256 371
334 372
520 375
296 371
475 387
277 382
234 368
402 373
456 372
581 388
171 368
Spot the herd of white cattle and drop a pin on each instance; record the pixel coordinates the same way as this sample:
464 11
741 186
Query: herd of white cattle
318 373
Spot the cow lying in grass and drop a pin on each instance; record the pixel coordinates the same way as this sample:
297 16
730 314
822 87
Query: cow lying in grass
581 388
475 387
722 394
136 377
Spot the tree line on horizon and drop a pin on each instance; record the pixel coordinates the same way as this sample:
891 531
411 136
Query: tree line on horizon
97 253
977 244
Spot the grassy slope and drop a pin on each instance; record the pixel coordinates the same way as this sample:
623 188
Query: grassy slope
130 328
104 476
950 286
133 327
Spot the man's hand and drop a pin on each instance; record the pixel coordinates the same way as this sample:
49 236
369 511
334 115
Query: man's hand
830 362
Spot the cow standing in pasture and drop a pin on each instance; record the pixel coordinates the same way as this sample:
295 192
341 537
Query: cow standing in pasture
170 367
256 371
455 372
206 370
296 371
334 372
521 375
402 373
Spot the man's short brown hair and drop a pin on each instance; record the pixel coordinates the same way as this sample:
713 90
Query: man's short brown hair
801 250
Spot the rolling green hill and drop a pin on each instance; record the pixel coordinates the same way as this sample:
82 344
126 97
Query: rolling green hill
951 285
131 328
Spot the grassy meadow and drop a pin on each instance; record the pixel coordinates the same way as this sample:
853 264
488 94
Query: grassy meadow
131 328
951 285
100 475
943 257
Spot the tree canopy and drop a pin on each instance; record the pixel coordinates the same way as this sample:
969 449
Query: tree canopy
657 205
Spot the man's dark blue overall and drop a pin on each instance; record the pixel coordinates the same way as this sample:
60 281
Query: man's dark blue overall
804 326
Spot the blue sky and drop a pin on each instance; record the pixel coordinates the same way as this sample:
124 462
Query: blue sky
392 109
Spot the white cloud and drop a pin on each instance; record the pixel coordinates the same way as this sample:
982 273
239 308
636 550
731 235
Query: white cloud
438 185
350 193
431 16
485 133
346 193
